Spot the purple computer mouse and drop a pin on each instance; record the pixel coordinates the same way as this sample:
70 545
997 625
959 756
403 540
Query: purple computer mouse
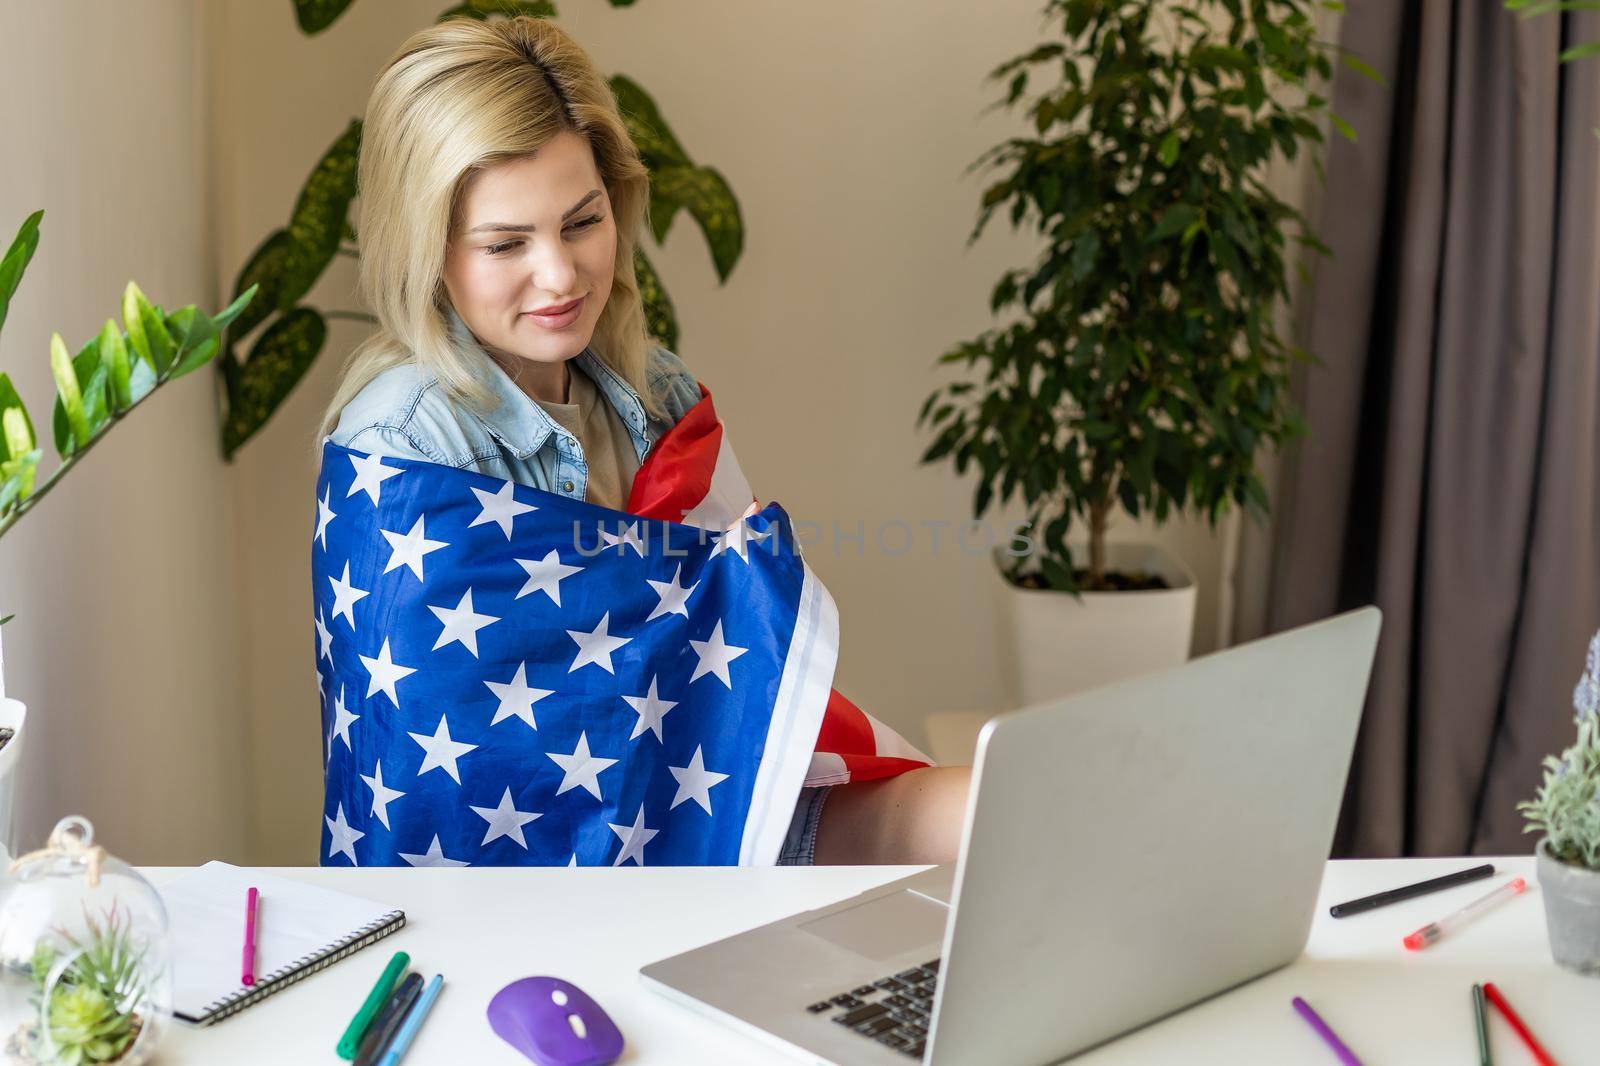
554 1023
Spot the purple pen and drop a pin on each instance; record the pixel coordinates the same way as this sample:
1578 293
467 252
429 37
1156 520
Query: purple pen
1329 1037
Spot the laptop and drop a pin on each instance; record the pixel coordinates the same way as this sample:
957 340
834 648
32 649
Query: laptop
1127 852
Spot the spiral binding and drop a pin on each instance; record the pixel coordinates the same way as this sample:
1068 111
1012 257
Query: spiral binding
284 976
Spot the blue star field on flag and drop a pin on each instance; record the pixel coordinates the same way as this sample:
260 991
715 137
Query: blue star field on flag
512 677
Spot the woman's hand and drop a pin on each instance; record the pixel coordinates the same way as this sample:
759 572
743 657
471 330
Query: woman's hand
913 818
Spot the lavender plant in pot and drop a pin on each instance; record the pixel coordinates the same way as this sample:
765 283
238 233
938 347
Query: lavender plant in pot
1566 810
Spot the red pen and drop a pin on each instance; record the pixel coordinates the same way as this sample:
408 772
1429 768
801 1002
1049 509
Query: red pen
248 976
1540 1055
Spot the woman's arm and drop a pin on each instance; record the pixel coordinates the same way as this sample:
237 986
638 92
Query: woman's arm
913 818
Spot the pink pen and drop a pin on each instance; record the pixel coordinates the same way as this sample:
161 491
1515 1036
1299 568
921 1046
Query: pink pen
1434 930
248 976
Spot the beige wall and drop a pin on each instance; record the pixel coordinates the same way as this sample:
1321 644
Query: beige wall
844 129
124 644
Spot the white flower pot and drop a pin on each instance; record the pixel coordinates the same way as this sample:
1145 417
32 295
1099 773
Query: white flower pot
1060 644
12 715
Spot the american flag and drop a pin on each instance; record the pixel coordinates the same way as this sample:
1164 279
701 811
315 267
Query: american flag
512 677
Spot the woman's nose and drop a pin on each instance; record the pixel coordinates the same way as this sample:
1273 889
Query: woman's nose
554 271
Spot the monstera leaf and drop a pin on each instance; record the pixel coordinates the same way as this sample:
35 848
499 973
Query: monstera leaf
315 16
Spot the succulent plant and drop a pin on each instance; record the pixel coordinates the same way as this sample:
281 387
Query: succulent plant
86 1026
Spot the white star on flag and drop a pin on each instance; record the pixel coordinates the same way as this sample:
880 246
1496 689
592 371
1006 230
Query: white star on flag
410 548
545 576
461 623
342 838
674 596
385 674
505 820
370 476
715 655
433 857
596 647
634 837
382 795
342 721
324 516
651 708
737 538
442 751
695 782
629 535
499 507
345 596
581 768
324 638
517 697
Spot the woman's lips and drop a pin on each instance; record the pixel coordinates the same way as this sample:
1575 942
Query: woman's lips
557 321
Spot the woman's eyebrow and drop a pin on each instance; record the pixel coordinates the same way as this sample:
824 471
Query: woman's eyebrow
512 227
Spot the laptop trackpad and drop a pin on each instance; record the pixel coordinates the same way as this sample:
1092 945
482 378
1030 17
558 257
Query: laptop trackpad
885 927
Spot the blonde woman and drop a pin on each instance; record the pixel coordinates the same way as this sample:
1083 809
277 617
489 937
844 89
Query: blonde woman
500 202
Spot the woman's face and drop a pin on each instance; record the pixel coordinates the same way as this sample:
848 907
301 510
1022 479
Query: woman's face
534 233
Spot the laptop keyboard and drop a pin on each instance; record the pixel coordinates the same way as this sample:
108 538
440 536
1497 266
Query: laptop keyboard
893 1011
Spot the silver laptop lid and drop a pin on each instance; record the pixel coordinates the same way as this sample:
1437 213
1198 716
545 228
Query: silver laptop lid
1136 848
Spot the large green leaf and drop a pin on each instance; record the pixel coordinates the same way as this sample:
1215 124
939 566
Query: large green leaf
315 16
661 320
705 194
16 261
319 215
279 358
650 132
482 9
264 272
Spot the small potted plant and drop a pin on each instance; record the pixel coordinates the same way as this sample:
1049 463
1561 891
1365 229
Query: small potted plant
85 968
1566 810
96 985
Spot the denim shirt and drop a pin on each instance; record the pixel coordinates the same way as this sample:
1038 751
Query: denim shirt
405 413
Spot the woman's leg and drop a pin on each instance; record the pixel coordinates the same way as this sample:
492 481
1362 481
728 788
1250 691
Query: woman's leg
910 819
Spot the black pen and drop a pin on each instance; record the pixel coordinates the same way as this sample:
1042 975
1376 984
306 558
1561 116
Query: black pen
1421 888
385 1024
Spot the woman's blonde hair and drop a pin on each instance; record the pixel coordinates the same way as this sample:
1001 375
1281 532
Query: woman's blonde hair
456 98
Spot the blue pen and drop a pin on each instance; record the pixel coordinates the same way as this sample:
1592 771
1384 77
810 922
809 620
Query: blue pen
413 1022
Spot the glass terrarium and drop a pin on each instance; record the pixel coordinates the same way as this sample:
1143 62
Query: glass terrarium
85 972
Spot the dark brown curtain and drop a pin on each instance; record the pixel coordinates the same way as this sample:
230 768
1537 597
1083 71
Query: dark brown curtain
1450 472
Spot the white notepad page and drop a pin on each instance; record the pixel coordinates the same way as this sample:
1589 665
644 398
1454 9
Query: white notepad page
295 922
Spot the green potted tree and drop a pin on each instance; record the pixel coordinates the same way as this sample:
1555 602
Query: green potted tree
1142 366
109 376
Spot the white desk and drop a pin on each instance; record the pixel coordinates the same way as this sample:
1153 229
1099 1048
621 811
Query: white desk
484 928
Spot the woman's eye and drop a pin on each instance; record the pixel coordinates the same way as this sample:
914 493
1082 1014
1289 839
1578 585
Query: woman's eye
505 246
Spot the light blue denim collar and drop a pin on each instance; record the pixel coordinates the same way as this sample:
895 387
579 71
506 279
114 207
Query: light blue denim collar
524 427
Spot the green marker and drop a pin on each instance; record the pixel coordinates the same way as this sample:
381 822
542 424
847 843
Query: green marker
1483 1031
351 1040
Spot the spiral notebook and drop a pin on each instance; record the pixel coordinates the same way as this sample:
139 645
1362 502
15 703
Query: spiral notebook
300 929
